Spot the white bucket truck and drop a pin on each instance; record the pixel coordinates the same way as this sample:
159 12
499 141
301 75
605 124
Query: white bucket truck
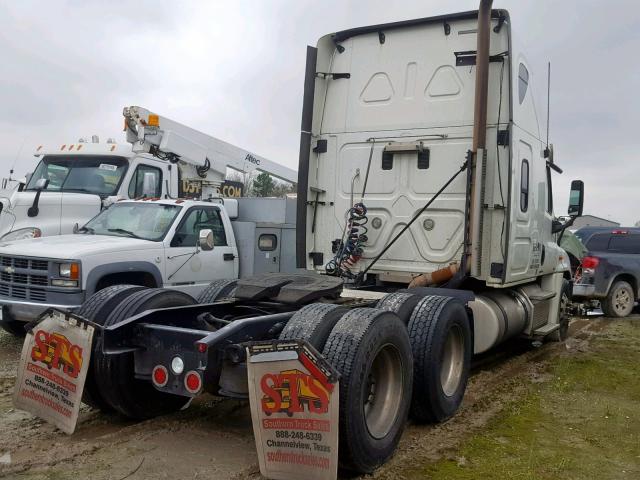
73 182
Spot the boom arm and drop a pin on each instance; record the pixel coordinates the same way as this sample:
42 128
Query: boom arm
170 140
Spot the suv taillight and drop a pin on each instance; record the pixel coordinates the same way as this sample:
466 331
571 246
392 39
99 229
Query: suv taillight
589 264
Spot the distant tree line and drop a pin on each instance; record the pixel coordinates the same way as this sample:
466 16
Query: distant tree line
262 184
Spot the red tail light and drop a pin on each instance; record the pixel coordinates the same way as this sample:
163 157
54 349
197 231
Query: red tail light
160 376
192 382
590 262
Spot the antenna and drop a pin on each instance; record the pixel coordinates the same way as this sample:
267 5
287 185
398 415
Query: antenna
548 97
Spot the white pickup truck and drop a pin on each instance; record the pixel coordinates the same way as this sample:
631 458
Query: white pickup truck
172 243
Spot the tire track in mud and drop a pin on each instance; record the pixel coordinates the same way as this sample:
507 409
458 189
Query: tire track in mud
213 437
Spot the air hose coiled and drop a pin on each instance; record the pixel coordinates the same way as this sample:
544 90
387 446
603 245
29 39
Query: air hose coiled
349 249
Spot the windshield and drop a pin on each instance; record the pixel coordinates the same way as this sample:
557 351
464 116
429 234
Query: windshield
147 221
97 174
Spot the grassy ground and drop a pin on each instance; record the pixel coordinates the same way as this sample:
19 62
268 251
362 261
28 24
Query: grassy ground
582 421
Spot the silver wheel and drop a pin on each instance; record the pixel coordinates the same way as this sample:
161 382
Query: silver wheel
452 361
623 301
383 393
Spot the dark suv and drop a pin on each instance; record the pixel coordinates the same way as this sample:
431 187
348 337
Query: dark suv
610 272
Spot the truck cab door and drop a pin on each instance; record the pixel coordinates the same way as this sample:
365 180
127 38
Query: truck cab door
187 267
525 245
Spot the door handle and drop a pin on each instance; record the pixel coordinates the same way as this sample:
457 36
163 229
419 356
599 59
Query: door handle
228 256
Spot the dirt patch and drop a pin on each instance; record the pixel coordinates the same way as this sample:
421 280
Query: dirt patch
213 437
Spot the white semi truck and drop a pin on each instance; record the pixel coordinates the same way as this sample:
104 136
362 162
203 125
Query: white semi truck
425 224
73 182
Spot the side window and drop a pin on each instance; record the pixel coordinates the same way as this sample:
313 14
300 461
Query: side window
598 242
625 244
549 192
523 82
200 219
146 182
524 186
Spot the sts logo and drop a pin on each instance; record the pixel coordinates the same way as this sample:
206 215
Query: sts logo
290 391
55 351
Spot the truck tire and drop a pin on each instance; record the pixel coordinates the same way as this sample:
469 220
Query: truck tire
562 333
132 397
370 349
14 327
619 301
313 323
440 336
217 290
402 304
97 308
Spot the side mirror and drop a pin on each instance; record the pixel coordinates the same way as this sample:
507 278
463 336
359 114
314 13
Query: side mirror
576 198
205 239
76 227
42 184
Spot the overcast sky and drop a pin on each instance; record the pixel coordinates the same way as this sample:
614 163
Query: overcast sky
235 69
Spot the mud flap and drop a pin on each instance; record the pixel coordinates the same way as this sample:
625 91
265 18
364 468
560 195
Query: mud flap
53 368
295 429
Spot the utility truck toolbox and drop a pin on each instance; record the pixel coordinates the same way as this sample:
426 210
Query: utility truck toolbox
425 229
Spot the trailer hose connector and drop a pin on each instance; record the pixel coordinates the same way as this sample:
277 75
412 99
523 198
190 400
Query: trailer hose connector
349 249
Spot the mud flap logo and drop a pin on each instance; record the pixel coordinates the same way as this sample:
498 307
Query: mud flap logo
294 410
52 370
293 391
56 352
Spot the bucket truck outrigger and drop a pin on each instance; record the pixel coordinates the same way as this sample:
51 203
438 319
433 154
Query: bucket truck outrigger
421 165
73 182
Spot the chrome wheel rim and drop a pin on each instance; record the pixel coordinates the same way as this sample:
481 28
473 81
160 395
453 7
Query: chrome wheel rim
383 391
622 300
452 361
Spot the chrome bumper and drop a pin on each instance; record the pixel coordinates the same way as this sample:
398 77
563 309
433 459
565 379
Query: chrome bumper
28 311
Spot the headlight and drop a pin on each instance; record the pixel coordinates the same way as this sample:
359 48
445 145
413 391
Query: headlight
70 270
22 233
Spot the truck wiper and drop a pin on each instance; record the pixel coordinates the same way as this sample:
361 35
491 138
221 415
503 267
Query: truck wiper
87 229
126 232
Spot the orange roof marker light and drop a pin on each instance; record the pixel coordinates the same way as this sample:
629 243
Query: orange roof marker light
63 146
154 120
